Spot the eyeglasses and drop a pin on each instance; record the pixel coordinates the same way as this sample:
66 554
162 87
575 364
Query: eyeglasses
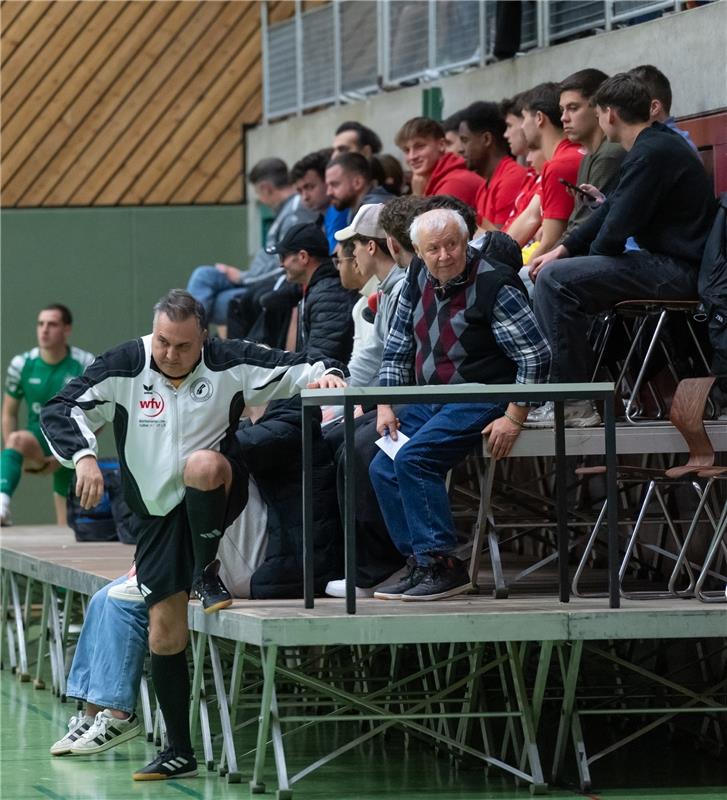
337 261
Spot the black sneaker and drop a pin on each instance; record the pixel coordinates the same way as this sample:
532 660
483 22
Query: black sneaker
446 577
168 764
210 590
394 591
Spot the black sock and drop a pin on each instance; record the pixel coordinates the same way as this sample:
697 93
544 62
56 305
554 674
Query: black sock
206 515
171 684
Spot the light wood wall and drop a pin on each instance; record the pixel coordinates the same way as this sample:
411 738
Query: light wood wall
109 103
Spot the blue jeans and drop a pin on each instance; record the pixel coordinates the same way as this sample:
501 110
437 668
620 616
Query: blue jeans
214 290
109 656
411 489
569 291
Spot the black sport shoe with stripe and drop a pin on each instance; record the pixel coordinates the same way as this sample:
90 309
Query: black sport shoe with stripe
166 765
210 590
105 733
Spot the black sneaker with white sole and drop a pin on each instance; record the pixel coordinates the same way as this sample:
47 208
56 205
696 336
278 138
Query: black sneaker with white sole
395 591
446 577
166 765
210 590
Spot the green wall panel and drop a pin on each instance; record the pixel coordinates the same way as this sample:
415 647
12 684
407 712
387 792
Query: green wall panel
109 265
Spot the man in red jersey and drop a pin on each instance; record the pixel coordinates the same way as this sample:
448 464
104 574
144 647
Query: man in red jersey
543 129
434 170
482 136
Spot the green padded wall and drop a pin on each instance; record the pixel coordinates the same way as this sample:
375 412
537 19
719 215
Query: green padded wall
109 265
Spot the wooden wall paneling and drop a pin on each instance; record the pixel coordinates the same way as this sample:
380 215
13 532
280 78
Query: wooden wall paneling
192 108
229 170
150 130
55 186
22 25
114 51
47 26
125 129
211 176
36 111
236 110
32 93
280 10
204 125
9 9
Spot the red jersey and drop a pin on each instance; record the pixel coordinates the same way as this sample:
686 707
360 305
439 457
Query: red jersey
557 203
496 198
451 176
530 187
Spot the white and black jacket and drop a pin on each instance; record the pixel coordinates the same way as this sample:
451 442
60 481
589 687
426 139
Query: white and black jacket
156 426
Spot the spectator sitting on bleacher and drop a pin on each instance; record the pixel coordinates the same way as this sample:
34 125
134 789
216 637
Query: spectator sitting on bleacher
35 376
663 199
359 278
660 90
389 173
482 134
309 178
600 166
434 170
105 673
543 129
113 642
459 319
215 286
450 126
511 109
349 184
325 324
376 556
353 137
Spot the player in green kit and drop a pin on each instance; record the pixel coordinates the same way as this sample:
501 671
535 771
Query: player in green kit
35 377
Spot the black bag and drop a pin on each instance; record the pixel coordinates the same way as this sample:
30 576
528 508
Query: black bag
712 288
109 520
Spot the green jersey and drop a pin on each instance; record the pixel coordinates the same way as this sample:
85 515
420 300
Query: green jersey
36 381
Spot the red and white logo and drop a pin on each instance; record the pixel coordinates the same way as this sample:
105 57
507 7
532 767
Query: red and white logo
152 404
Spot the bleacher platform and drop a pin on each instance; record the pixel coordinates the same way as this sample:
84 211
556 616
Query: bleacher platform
292 667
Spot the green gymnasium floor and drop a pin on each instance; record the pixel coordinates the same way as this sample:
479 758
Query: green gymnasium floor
31 720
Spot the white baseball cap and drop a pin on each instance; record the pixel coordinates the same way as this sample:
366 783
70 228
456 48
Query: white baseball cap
365 223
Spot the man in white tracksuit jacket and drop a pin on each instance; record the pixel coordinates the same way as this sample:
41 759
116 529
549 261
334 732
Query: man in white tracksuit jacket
174 400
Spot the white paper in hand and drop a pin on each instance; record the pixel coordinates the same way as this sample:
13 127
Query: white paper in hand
391 447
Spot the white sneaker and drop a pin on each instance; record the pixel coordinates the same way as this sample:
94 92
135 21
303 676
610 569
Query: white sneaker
105 733
77 726
128 591
338 589
5 519
577 414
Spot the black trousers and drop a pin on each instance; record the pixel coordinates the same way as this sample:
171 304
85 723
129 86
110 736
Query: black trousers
376 555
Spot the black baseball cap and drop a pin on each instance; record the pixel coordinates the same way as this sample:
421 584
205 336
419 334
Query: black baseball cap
303 236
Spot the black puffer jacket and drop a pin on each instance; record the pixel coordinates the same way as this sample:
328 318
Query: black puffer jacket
273 453
325 327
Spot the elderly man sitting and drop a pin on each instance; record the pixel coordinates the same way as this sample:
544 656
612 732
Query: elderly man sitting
460 319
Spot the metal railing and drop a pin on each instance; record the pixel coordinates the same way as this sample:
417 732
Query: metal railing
347 49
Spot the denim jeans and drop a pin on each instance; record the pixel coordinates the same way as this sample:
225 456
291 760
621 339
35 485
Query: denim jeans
214 290
569 291
411 489
109 656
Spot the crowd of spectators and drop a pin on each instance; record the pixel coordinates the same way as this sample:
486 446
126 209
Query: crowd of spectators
484 260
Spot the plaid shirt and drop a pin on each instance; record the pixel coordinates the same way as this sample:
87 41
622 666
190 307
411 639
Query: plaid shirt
514 328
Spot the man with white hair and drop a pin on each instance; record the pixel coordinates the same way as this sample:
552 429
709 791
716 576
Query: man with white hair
460 319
